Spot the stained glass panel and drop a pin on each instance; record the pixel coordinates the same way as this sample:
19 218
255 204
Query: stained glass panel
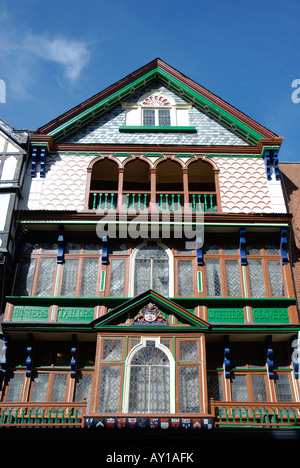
15 388
83 388
239 388
283 388
112 350
188 351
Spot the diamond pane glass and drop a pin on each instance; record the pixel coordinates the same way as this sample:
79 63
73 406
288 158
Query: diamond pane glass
112 350
151 270
213 277
148 117
164 118
15 388
110 389
45 281
188 351
215 387
149 381
233 278
83 388
239 388
276 280
283 388
23 288
69 279
259 388
256 278
89 277
117 277
59 387
40 387
185 278
189 394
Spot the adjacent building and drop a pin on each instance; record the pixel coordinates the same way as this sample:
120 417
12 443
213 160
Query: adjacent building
153 293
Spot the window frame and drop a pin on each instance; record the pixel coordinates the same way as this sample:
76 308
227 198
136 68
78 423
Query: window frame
133 255
127 370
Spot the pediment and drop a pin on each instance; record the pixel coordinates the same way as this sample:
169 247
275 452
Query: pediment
149 310
97 110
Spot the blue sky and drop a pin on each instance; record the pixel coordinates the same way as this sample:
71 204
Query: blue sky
55 55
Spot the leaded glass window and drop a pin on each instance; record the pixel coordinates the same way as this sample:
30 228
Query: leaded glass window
40 387
89 277
149 389
15 388
69 278
189 390
23 287
213 277
188 351
112 350
259 388
215 386
233 278
110 389
149 117
185 278
151 270
256 278
83 388
117 277
283 387
239 388
275 277
45 281
164 118
59 387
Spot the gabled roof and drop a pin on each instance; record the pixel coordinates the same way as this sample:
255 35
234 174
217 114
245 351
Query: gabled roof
205 100
133 306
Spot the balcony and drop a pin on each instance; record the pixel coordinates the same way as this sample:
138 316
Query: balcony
255 414
42 414
200 202
139 188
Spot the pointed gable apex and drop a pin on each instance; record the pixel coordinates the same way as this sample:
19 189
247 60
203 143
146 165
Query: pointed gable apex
209 103
130 311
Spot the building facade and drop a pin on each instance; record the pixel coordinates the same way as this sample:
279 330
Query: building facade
13 156
153 291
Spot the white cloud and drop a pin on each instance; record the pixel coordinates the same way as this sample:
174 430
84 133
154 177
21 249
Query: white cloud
73 55
22 54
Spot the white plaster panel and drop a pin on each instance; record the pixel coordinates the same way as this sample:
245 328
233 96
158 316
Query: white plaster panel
4 202
243 185
65 183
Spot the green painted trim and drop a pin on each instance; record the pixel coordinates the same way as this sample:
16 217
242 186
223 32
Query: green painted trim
185 91
161 223
23 300
199 278
152 128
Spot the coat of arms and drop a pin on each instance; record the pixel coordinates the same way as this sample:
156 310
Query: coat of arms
150 314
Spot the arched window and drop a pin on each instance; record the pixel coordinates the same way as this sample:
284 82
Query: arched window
152 270
150 373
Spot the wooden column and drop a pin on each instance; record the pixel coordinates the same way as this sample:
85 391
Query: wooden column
153 189
120 189
185 176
